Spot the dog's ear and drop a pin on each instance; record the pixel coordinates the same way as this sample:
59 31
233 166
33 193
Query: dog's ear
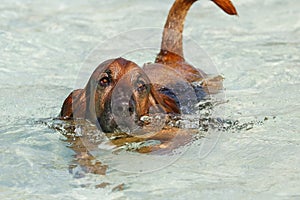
74 105
169 104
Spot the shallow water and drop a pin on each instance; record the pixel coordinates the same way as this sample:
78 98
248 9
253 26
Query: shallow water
45 45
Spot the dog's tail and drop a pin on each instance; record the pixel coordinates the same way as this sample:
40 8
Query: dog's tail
172 34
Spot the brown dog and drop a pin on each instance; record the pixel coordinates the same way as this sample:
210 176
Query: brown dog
94 101
119 84
148 86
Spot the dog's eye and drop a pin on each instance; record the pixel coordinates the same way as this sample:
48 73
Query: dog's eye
104 82
141 86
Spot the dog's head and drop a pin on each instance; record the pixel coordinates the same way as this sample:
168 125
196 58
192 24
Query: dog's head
117 91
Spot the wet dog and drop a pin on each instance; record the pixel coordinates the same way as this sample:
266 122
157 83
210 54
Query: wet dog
121 86
94 101
149 86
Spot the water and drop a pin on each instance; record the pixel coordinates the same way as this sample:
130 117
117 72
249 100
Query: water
44 46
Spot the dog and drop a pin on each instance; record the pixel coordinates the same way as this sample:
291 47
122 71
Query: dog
149 85
121 86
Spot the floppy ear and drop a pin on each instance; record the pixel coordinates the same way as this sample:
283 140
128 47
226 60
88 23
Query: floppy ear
162 102
169 104
74 105
175 93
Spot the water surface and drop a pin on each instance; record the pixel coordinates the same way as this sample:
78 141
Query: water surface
43 47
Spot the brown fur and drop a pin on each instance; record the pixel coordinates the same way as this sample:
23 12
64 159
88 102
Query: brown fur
93 102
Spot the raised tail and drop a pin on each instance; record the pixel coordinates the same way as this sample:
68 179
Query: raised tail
172 35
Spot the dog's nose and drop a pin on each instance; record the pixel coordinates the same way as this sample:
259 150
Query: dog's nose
123 105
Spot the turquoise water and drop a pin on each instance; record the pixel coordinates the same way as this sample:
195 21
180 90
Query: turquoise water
44 46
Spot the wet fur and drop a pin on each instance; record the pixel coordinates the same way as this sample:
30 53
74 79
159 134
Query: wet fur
93 102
